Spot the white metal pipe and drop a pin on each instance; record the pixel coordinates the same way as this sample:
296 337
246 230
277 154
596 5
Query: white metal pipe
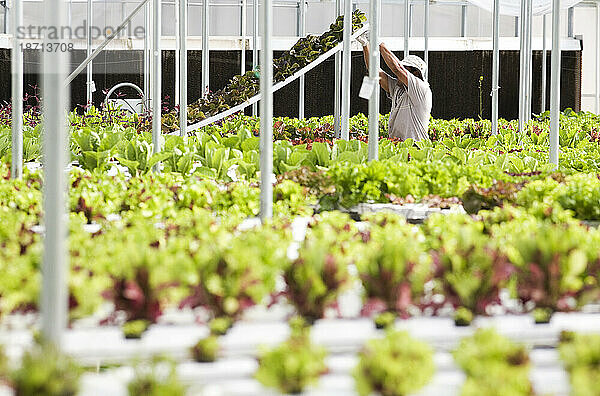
374 75
597 58
555 83
426 33
16 167
495 65
406 27
254 45
337 105
183 65
156 78
570 19
544 64
6 17
522 72
243 34
55 261
528 61
205 48
266 113
463 21
89 82
302 33
177 52
147 53
346 70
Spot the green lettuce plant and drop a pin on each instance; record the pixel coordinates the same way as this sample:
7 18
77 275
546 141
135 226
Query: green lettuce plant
295 364
396 365
151 379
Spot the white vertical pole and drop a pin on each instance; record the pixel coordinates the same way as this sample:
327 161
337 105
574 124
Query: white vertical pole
89 84
346 70
337 83
374 75
463 21
16 167
522 37
555 83
55 258
544 65
243 34
528 62
156 77
254 45
177 52
147 51
597 58
183 63
406 26
205 48
302 33
570 17
426 33
495 65
266 113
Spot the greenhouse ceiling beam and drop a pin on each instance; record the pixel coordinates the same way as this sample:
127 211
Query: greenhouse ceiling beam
374 76
495 65
16 165
555 83
106 41
337 85
266 113
205 48
156 72
53 298
183 66
346 70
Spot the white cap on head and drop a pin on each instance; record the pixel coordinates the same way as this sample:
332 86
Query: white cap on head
416 62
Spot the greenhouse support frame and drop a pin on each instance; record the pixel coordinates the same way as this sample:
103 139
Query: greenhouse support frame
266 113
346 70
374 6
495 65
183 75
16 165
206 47
156 70
302 33
555 83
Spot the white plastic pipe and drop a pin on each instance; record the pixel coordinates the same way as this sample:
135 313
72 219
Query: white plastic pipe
463 21
89 84
156 78
266 113
302 33
183 63
374 75
16 167
337 105
544 65
205 48
406 27
426 33
495 65
555 83
55 261
346 70
254 45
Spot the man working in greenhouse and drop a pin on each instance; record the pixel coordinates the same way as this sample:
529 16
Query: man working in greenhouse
409 91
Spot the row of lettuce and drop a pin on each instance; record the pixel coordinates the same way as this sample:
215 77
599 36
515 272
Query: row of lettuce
395 364
143 265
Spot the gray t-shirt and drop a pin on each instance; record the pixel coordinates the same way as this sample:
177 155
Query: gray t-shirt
411 108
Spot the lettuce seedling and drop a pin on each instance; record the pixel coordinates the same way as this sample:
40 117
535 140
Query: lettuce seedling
395 365
151 379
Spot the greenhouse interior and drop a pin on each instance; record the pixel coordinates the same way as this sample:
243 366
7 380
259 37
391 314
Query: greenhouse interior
418 181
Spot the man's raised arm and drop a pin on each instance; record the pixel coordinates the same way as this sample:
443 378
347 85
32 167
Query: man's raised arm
383 77
394 64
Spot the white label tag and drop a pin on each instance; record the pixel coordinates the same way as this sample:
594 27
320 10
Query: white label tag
366 89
